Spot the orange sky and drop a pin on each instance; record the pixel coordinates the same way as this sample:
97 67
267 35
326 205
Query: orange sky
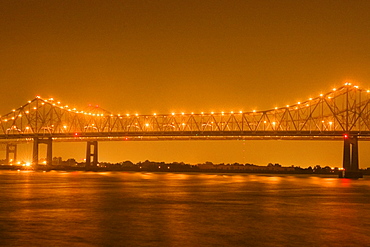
192 56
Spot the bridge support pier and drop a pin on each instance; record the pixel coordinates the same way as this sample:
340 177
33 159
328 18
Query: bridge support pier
49 152
350 158
92 151
11 149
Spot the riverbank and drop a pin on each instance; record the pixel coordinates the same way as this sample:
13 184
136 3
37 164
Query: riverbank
169 169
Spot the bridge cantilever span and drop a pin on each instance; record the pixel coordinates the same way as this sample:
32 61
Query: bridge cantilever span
342 111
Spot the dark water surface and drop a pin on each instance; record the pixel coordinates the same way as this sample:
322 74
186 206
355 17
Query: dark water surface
159 209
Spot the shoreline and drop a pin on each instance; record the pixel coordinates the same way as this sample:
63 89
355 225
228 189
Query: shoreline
213 171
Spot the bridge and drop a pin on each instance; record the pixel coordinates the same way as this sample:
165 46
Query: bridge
341 114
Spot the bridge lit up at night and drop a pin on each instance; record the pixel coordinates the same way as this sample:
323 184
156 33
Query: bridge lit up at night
342 114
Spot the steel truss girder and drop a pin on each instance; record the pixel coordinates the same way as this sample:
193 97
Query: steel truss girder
344 110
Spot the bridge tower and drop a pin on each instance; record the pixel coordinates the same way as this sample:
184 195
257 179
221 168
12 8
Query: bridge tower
92 151
350 158
49 151
11 149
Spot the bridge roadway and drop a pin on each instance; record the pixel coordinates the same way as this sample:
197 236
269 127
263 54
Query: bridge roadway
185 135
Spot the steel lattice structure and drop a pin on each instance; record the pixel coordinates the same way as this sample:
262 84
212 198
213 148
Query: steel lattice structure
328 116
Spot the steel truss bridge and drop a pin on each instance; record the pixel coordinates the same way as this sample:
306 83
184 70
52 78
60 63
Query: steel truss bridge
341 114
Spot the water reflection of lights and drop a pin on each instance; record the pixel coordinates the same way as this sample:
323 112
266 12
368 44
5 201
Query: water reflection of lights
325 181
181 176
24 171
238 178
273 179
345 182
147 175
330 182
104 173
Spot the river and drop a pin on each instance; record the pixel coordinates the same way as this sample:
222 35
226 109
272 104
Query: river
182 209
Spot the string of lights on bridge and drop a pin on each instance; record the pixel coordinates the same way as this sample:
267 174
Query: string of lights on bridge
343 109
74 110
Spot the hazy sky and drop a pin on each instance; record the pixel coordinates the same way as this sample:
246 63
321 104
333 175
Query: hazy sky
192 56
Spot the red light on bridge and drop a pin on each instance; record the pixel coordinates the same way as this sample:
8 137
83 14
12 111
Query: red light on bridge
76 134
345 136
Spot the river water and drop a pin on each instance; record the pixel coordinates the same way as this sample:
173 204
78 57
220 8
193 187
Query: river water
181 209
